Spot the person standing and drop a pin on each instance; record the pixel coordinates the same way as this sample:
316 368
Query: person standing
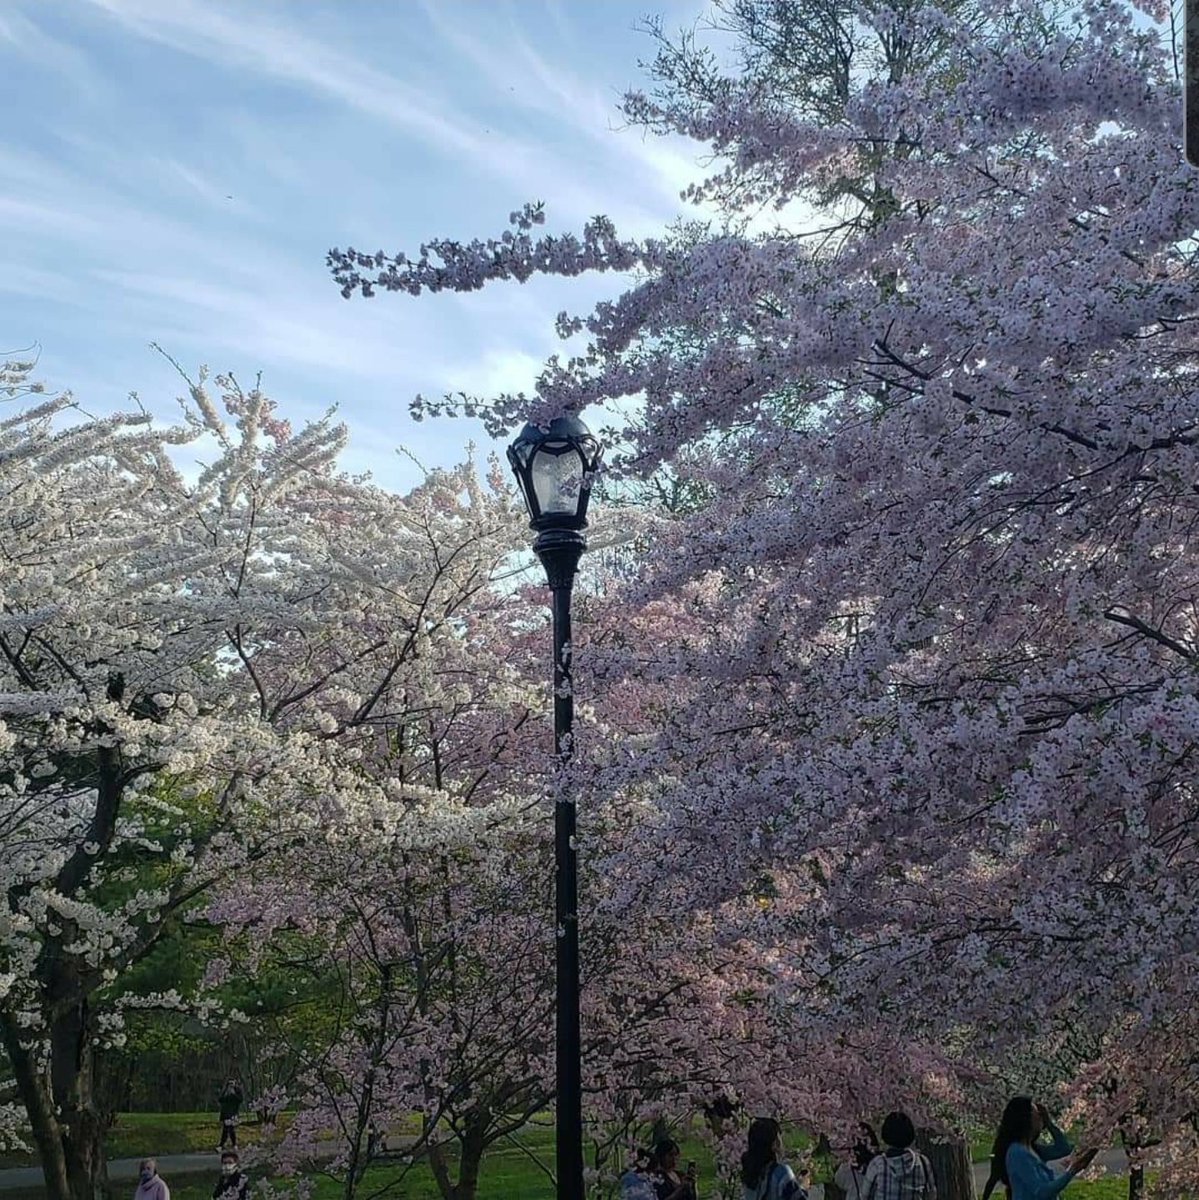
764 1176
150 1185
668 1183
230 1106
635 1183
1023 1162
900 1172
234 1183
850 1176
1058 1147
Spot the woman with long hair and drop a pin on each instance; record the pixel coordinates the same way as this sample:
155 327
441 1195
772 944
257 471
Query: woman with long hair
764 1176
1019 1159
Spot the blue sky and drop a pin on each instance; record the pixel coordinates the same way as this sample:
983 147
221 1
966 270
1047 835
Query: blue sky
174 171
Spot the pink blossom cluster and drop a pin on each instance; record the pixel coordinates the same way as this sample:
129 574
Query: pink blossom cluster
912 693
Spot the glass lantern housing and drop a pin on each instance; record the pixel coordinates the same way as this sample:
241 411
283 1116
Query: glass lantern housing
555 466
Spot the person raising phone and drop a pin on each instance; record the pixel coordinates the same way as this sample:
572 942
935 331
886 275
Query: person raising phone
1021 1161
668 1183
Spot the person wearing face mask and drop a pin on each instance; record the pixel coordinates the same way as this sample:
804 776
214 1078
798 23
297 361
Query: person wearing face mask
150 1185
234 1183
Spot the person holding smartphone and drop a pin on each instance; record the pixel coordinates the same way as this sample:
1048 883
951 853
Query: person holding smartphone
635 1183
1058 1147
850 1176
668 1183
1020 1158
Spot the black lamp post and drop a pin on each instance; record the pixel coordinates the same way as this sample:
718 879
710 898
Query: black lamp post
555 466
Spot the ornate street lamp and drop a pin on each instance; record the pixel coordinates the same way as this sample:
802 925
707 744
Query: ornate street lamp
555 466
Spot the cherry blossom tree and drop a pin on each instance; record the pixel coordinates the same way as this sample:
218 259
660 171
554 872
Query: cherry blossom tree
432 928
194 670
924 734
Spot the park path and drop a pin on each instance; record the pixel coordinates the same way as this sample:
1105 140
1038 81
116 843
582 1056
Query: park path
122 1169
125 1169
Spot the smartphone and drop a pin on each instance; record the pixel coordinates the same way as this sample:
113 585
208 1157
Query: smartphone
691 1167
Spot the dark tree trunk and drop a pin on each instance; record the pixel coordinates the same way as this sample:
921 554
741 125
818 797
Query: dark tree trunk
34 1089
72 1079
470 1158
950 1159
59 1094
60 1105
1136 1183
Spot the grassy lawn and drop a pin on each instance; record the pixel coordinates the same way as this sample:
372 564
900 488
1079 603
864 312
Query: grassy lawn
138 1135
507 1174
501 1187
507 1171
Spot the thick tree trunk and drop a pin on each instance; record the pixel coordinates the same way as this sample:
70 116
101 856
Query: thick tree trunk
34 1088
952 1168
440 1167
59 1104
1136 1183
474 1142
470 1157
72 1076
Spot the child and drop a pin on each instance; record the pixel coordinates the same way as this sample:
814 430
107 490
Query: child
899 1173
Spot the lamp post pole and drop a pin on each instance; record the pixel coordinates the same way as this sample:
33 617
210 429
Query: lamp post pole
554 466
559 552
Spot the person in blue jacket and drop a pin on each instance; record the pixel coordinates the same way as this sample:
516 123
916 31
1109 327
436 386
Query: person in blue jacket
1020 1159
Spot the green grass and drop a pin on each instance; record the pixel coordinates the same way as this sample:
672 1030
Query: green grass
136 1135
506 1170
524 1186
1114 1187
507 1174
139 1135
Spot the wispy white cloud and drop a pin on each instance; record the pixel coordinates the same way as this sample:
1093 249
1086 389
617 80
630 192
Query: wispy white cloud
250 41
497 46
497 371
118 228
424 108
24 217
245 39
199 185
58 58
